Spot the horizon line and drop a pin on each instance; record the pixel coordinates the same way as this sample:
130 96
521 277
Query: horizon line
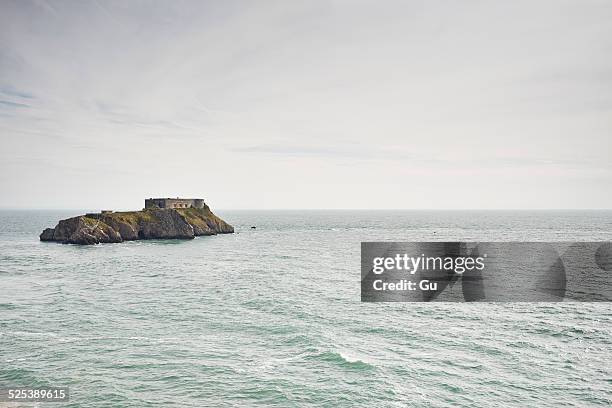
324 209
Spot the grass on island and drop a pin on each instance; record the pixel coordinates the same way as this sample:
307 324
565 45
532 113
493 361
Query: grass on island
194 216
197 216
133 217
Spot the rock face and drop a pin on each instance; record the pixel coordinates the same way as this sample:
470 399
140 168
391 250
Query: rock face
180 223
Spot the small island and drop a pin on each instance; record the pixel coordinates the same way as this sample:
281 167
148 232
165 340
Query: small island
162 218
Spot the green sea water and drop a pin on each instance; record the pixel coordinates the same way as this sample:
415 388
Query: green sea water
272 317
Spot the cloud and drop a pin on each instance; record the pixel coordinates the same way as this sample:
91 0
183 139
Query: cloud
10 91
443 159
14 104
261 97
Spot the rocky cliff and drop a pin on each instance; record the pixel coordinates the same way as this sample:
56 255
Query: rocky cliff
183 223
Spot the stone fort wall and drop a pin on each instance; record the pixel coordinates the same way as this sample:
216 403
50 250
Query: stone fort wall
174 203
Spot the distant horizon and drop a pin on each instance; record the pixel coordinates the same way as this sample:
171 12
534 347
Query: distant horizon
317 209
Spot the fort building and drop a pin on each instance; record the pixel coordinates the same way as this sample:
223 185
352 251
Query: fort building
174 202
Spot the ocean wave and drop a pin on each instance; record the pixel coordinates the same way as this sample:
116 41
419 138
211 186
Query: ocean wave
8 306
343 359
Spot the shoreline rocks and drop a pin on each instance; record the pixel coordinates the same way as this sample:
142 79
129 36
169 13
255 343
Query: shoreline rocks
111 227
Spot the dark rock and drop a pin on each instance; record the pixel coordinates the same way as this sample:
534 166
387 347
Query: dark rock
85 231
168 224
65 228
127 231
200 230
82 237
184 223
47 234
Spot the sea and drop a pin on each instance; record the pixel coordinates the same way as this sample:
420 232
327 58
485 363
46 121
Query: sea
272 316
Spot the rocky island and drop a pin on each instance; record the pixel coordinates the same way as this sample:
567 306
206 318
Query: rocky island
162 218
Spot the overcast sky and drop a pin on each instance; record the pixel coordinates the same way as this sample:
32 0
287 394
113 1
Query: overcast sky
306 104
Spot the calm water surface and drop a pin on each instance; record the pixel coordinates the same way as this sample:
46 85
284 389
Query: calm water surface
272 317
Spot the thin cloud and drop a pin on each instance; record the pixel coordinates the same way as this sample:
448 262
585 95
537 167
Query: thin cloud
16 93
14 104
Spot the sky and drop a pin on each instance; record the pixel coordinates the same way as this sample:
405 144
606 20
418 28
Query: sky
306 104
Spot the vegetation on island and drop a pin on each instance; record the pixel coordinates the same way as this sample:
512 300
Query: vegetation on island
149 223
